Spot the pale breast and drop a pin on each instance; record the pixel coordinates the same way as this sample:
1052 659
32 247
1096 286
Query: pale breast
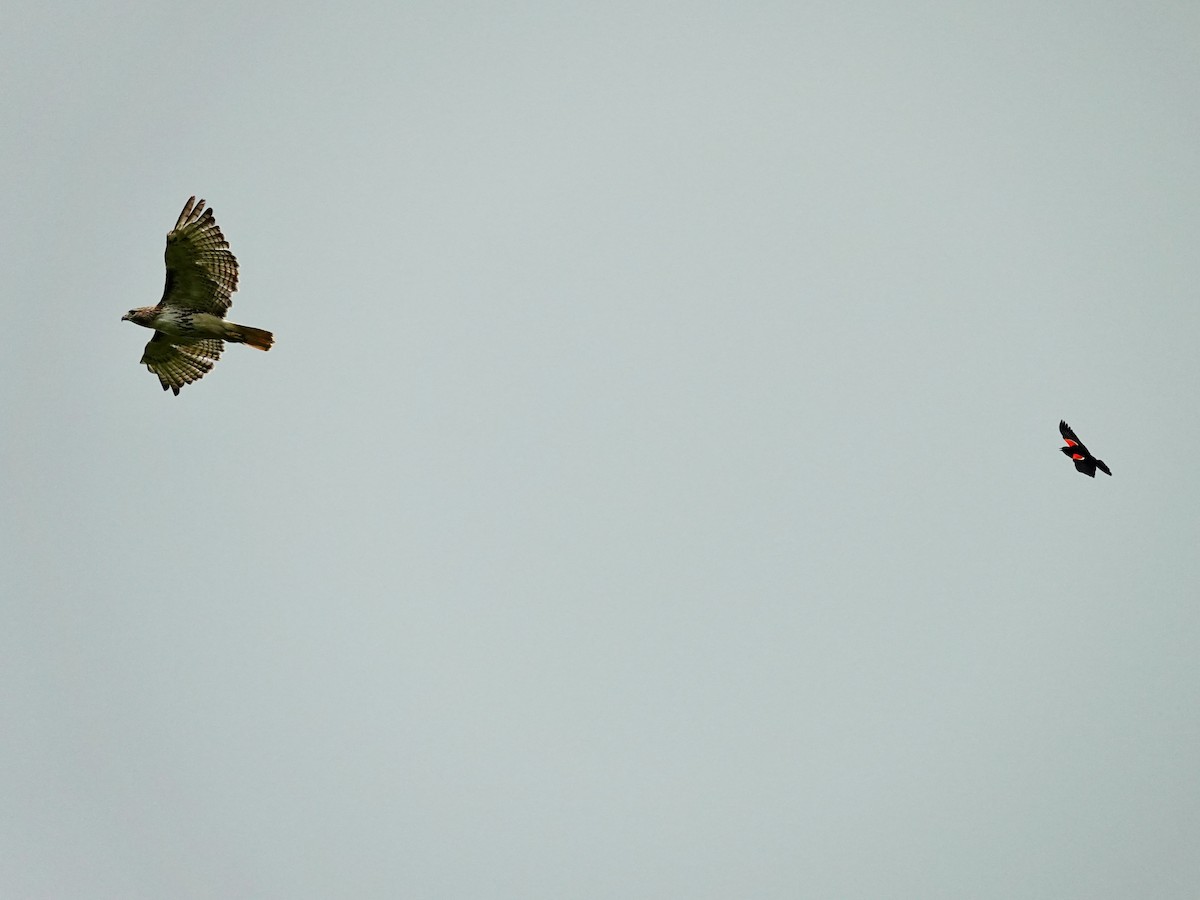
184 324
174 322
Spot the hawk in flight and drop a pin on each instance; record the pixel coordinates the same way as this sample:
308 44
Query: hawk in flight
189 322
1084 461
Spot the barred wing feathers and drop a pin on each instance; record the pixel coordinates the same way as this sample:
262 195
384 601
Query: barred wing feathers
202 273
180 364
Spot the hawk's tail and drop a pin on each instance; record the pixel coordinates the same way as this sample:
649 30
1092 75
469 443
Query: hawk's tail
244 334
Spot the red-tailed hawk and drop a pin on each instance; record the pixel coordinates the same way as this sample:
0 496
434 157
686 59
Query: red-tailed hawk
189 322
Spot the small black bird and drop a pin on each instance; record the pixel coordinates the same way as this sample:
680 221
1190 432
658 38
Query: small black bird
1084 461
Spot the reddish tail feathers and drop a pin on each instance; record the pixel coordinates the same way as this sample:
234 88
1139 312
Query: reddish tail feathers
244 334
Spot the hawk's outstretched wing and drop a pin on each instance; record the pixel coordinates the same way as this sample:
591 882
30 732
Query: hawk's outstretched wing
180 364
202 273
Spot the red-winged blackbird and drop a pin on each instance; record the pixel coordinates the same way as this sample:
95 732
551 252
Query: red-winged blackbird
1084 461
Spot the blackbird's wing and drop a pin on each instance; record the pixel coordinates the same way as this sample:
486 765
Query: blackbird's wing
1086 466
1069 436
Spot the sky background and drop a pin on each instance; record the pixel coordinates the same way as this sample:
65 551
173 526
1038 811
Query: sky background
654 489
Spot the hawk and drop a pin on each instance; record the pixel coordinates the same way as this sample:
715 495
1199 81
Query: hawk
189 322
1084 461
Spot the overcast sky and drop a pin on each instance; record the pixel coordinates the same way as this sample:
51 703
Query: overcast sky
654 489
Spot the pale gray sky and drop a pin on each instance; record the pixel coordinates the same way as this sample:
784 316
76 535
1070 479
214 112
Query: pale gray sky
654 490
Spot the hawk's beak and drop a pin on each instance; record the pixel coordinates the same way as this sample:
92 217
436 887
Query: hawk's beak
125 318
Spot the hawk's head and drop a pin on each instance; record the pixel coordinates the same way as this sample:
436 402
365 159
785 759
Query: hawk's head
139 316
